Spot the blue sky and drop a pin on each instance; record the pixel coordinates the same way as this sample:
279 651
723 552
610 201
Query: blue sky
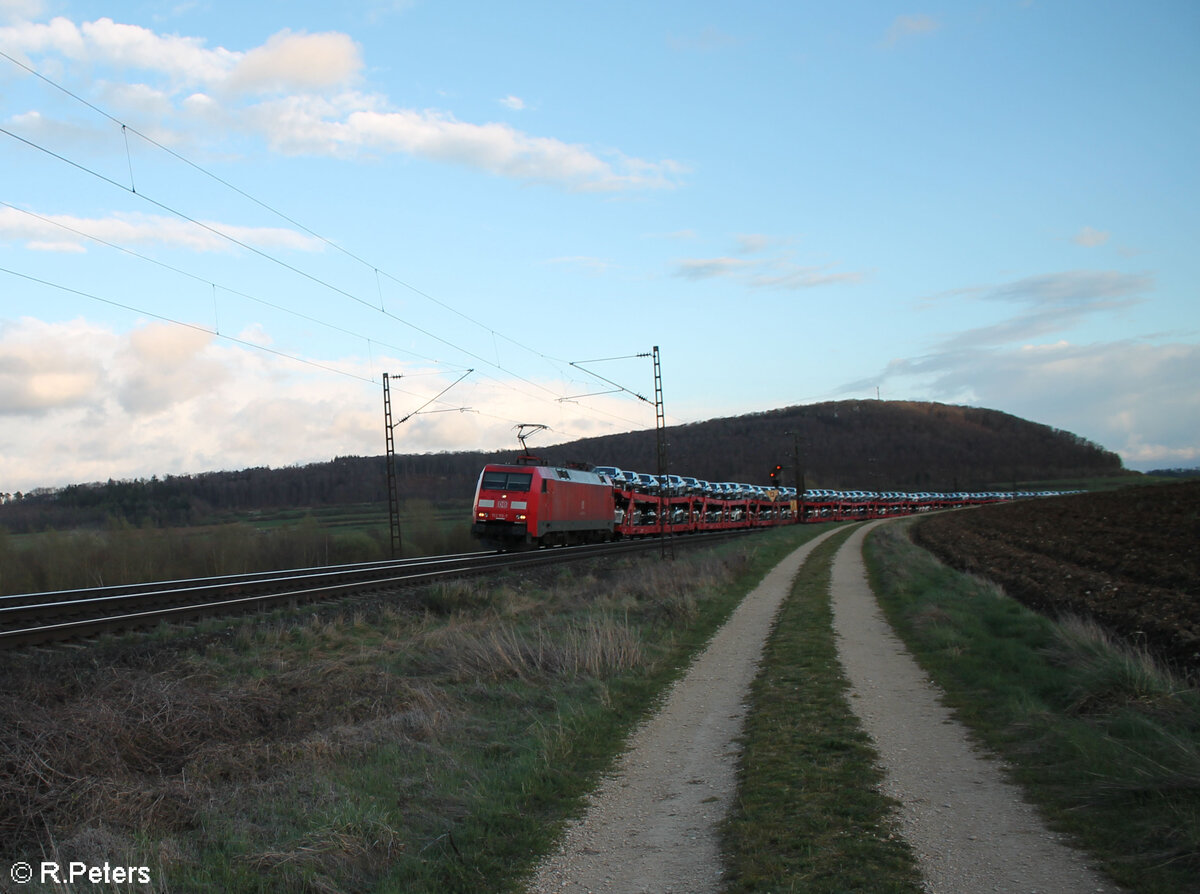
221 223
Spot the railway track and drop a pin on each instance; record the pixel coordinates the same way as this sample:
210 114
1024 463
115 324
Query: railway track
32 618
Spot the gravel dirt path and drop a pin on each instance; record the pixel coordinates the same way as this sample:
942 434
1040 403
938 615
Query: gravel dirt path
969 827
651 827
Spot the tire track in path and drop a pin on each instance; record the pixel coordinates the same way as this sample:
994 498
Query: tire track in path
969 827
651 827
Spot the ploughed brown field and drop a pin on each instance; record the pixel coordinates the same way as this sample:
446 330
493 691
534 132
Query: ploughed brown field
1129 559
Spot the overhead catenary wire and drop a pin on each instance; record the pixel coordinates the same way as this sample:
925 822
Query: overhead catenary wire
245 343
263 254
334 327
434 398
267 256
578 364
131 189
270 257
193 326
126 129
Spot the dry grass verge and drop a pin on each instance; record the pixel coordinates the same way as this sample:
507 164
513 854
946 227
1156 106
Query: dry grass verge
407 743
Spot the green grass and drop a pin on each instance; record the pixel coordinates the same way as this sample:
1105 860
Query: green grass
808 815
437 741
522 735
1104 742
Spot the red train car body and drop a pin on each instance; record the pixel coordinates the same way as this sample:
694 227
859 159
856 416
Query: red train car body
520 506
526 505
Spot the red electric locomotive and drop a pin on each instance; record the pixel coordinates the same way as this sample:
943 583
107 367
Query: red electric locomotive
529 505
522 506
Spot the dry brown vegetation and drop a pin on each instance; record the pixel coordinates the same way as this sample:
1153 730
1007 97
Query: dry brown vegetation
150 741
156 749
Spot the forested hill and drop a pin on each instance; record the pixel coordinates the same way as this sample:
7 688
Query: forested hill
868 445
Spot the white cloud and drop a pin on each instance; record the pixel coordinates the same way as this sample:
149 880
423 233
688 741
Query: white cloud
906 26
82 402
1054 302
155 104
707 268
1074 288
131 46
1136 396
1090 237
290 61
60 35
35 380
777 271
313 108
754 243
255 334
39 129
161 365
106 42
349 126
64 232
20 10
513 102
584 263
786 275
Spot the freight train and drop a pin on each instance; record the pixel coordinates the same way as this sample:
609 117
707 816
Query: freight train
528 504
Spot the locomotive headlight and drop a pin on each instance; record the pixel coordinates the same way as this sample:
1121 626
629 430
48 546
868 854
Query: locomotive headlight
520 518
481 514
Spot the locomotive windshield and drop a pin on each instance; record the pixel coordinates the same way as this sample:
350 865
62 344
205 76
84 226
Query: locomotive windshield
510 481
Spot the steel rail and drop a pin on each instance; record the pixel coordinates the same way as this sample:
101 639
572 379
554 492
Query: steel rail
130 610
230 579
265 582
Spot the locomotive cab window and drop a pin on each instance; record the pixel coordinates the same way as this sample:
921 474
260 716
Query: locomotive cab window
510 481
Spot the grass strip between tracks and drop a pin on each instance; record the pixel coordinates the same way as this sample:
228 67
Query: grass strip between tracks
808 815
1103 741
